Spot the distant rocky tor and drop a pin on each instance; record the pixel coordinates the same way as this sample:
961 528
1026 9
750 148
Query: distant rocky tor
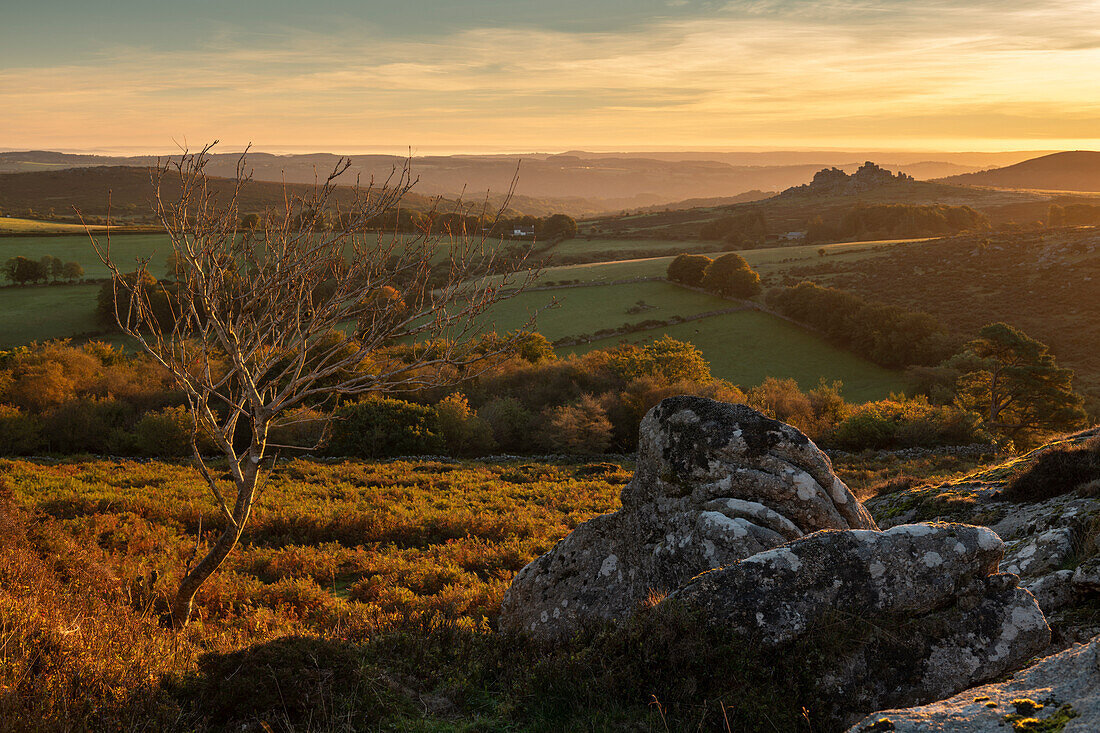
836 182
741 519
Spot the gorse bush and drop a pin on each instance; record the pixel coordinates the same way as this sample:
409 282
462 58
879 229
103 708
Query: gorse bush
815 413
164 433
95 399
509 421
90 425
301 427
20 433
380 427
464 432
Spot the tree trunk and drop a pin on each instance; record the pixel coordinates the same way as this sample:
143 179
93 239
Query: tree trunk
227 540
189 586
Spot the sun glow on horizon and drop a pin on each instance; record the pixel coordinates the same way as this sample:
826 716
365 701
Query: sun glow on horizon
941 75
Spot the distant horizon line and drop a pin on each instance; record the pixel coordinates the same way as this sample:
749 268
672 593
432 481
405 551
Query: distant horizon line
452 150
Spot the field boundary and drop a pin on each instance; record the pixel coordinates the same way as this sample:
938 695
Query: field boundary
590 284
646 326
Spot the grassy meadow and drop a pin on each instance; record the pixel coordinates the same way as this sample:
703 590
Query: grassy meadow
588 309
749 346
742 347
42 313
125 249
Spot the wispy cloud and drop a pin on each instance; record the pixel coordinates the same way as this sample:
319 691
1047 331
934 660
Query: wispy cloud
746 73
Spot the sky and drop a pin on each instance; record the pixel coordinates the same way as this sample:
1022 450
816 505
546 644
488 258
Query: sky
550 75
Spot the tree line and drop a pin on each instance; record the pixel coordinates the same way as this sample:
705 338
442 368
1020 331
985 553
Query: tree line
888 335
728 275
1073 215
885 221
22 270
1009 379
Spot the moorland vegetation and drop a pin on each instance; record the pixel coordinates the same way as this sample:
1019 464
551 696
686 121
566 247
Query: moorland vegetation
366 594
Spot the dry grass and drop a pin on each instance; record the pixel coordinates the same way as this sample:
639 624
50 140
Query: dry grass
79 645
363 597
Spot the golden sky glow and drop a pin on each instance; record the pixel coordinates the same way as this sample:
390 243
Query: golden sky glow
933 75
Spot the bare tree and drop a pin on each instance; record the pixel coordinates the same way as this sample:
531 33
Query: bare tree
292 310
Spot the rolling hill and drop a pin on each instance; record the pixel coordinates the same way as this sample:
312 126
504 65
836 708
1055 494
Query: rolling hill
829 194
578 182
1078 170
131 192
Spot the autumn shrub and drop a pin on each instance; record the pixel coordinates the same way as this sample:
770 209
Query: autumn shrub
89 425
381 427
300 427
666 357
581 427
907 423
783 400
464 432
20 433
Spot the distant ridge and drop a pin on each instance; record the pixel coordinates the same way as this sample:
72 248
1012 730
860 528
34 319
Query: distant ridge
1077 170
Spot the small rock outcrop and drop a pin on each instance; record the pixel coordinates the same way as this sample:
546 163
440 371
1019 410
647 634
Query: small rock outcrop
714 483
946 619
1058 693
740 520
1051 543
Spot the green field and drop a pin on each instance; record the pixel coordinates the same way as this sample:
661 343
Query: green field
742 347
588 309
766 260
125 249
579 245
749 346
43 313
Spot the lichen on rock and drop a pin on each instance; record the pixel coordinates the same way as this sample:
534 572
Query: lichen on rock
714 483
